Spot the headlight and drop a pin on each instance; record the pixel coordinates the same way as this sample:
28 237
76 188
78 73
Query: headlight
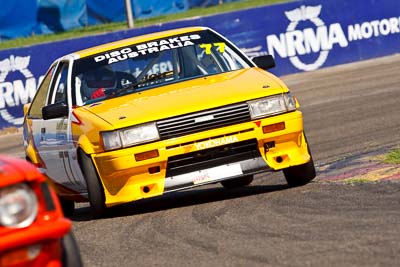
272 105
111 140
18 206
130 136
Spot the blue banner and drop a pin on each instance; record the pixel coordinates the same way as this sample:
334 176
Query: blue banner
33 17
59 15
207 3
101 11
154 8
16 21
301 35
105 11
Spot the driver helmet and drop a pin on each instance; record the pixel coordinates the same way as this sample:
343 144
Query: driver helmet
98 80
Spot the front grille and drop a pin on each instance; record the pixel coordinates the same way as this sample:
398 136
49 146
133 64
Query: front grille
204 120
212 157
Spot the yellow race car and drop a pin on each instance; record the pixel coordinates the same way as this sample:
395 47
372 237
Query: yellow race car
162 112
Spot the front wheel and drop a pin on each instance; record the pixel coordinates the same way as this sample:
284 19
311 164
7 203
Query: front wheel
301 174
94 186
70 251
237 182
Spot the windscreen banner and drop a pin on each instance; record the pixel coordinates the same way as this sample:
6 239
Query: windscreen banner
301 35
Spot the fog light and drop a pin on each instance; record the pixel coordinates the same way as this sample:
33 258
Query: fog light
273 127
146 155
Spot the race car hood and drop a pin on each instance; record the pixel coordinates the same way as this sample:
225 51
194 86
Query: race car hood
188 96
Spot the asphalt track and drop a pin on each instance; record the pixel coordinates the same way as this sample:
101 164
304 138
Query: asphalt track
352 116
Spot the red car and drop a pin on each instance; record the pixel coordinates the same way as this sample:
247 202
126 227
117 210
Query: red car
33 230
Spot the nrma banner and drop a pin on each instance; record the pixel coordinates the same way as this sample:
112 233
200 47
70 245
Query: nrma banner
301 35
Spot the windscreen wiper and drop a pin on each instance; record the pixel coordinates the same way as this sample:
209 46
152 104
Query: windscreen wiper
146 79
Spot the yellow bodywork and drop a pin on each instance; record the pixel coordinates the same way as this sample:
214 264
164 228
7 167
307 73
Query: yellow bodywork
124 179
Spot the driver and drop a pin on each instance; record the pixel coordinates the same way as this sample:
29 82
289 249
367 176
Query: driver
95 82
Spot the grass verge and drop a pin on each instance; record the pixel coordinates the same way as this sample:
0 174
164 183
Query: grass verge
393 157
356 181
110 27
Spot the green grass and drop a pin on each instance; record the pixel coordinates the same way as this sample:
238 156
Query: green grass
357 181
393 157
110 27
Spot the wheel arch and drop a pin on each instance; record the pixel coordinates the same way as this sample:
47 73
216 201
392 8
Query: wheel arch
85 145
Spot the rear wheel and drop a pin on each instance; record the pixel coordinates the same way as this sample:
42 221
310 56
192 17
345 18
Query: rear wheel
237 182
70 251
94 186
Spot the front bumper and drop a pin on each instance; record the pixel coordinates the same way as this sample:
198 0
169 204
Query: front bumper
124 179
215 174
36 245
36 233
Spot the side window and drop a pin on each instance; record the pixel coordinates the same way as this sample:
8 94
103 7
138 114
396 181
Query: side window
59 90
41 95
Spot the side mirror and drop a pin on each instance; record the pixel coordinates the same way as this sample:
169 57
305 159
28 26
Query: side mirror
56 110
264 62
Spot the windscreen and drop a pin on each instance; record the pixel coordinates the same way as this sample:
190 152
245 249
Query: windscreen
151 64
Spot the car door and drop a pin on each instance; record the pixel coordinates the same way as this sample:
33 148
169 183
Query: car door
56 146
35 118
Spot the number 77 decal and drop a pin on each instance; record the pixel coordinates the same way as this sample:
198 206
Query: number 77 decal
207 47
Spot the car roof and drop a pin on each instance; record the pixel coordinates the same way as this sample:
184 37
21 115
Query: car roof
129 41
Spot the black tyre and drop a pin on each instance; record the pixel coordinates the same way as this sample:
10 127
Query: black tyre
94 186
71 256
68 206
301 174
238 182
